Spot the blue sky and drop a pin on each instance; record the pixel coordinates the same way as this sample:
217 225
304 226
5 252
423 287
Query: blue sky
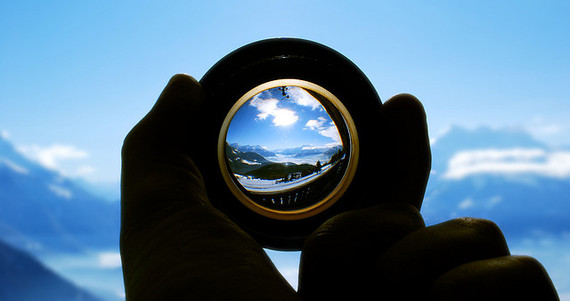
273 121
77 76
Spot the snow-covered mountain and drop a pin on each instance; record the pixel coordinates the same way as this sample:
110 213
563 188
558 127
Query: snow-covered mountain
293 152
253 149
43 212
242 162
308 150
23 277
504 175
57 221
509 177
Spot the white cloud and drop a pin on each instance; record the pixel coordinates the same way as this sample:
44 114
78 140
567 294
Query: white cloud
316 124
109 260
57 157
328 130
268 107
331 132
303 98
50 156
513 161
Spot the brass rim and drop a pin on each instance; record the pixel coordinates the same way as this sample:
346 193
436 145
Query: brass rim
317 207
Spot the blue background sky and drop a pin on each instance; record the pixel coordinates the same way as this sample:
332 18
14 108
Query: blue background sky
76 76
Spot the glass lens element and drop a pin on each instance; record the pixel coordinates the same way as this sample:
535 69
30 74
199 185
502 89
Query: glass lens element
287 148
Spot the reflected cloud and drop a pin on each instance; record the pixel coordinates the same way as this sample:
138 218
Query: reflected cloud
303 98
268 107
329 131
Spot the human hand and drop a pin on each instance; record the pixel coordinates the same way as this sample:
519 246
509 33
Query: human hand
385 252
175 245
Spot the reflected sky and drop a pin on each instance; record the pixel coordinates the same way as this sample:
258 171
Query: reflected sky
283 117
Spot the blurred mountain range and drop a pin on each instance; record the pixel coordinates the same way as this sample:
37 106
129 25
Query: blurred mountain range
52 218
501 174
504 175
253 149
41 211
24 278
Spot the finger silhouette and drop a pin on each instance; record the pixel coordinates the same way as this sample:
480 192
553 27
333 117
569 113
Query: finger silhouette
338 259
410 265
405 161
501 278
174 244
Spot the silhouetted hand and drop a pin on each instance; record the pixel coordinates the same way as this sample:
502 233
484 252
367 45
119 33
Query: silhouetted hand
176 246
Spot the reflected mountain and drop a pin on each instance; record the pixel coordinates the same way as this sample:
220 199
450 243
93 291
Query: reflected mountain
285 183
253 149
308 150
241 162
249 161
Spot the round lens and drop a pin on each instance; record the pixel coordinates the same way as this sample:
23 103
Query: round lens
288 149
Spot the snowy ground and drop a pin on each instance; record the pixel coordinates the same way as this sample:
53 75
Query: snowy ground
280 158
267 186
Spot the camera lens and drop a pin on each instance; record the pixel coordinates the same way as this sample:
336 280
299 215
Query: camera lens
288 149
290 138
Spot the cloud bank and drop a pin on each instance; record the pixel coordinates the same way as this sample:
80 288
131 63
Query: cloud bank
515 161
109 260
267 107
57 157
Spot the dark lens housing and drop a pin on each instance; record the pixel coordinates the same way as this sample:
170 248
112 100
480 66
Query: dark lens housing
248 70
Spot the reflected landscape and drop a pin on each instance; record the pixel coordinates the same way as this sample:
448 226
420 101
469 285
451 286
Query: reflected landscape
285 149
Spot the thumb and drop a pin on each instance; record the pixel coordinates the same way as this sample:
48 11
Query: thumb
406 156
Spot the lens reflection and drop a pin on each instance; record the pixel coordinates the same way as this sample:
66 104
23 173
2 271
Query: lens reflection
287 148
